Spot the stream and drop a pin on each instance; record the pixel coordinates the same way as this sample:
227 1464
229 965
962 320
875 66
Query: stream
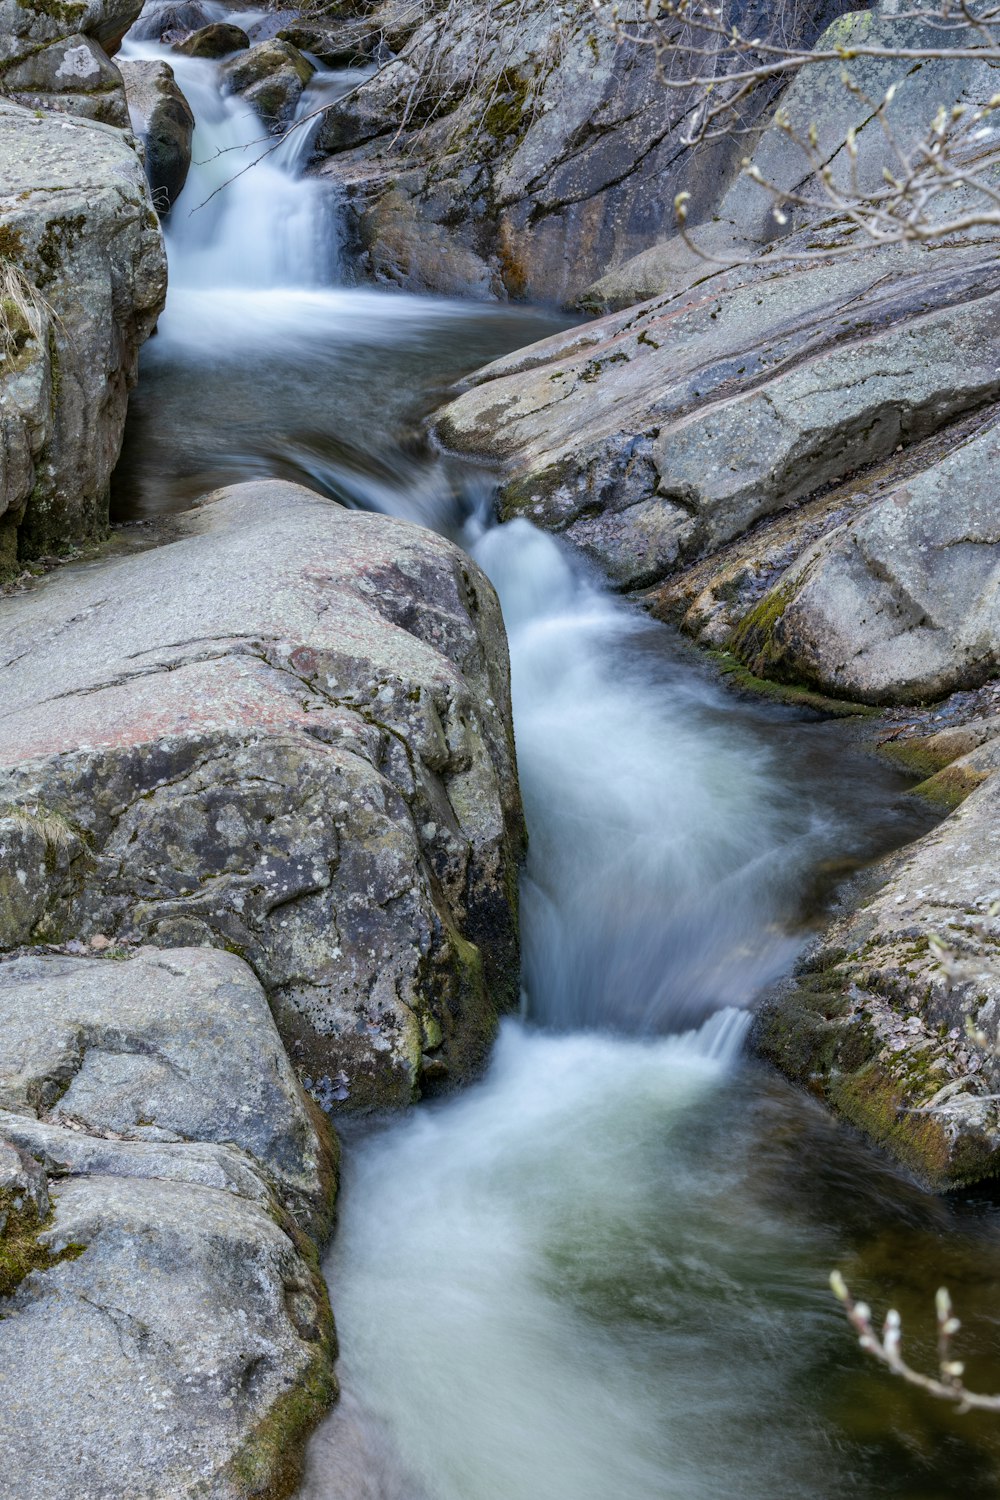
601 1271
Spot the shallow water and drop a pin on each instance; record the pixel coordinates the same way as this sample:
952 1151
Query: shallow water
602 1270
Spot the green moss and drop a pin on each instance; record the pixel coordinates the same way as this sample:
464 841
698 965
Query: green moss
951 786
753 640
741 678
873 1101
270 1462
595 368
70 11
507 115
11 243
58 240
9 565
21 1249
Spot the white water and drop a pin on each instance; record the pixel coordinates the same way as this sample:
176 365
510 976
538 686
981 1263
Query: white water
577 1278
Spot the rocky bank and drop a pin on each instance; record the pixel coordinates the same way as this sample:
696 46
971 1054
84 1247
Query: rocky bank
792 455
259 817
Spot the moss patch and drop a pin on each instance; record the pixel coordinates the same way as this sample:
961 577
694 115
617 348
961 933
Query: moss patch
742 679
21 1249
871 1100
753 639
951 786
270 1462
68 11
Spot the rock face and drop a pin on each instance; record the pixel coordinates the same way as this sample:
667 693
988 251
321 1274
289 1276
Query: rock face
56 56
171 16
270 77
900 603
287 734
79 237
513 151
742 215
902 1040
652 437
162 1316
162 118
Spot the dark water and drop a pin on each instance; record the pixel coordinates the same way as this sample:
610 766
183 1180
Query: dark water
602 1271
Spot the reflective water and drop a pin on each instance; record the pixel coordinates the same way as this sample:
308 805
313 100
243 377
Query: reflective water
602 1270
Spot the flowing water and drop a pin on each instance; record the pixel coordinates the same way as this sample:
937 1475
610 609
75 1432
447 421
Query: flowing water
601 1271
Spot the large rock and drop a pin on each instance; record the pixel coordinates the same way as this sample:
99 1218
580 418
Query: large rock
532 141
164 1330
816 102
270 77
54 56
165 1047
171 16
162 118
215 40
896 1020
900 603
78 233
288 734
654 436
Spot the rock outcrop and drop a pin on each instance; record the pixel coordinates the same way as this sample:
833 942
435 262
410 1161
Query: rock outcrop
270 77
652 437
161 1180
161 117
287 734
742 218
513 151
899 604
85 281
55 56
896 1020
218 39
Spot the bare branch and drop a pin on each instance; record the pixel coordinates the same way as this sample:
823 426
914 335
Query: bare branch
947 1385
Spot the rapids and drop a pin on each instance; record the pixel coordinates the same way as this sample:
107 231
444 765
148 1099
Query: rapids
600 1271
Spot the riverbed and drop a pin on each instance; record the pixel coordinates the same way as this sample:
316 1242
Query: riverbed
602 1270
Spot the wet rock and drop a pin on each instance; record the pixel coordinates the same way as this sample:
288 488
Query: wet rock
654 436
900 603
895 1019
270 77
163 1326
84 260
215 40
543 147
287 734
175 16
162 118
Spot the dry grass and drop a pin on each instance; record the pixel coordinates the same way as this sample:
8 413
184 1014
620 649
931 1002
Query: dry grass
23 311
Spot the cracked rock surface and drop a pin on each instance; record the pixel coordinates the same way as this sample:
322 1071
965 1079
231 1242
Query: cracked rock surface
287 734
164 1330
